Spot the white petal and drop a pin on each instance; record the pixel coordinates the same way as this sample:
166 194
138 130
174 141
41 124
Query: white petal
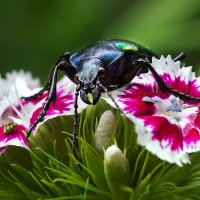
144 137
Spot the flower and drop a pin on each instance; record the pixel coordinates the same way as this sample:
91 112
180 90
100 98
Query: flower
20 114
166 125
108 176
64 105
12 87
12 112
116 169
12 134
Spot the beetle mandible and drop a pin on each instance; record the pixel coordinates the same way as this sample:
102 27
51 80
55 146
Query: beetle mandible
103 67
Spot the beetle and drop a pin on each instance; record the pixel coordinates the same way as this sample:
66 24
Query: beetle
102 67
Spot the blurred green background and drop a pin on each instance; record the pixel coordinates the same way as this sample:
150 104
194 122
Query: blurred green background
34 33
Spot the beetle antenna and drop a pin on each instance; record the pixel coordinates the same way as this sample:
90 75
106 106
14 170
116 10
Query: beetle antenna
115 103
117 106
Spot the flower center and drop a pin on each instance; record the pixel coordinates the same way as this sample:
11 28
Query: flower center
172 107
175 106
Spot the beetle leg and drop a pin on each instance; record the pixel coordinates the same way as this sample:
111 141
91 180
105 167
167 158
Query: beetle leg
45 88
166 88
51 96
74 142
113 87
65 58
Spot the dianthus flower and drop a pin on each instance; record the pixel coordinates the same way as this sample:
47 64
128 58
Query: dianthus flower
12 112
166 125
17 114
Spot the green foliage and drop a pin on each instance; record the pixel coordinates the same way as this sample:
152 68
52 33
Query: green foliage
50 170
35 33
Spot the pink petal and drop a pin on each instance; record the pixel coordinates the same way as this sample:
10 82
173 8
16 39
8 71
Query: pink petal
164 131
161 138
191 132
191 87
129 98
132 96
192 141
197 120
64 104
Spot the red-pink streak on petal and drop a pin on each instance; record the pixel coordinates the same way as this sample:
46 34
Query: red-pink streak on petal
191 88
17 132
197 120
165 132
192 136
132 99
61 105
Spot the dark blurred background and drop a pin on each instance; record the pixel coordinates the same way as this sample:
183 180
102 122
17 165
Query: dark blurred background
34 33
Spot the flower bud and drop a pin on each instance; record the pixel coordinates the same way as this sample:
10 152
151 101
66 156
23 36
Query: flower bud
116 169
103 134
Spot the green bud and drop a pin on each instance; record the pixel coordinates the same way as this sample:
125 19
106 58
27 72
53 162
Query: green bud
116 169
104 131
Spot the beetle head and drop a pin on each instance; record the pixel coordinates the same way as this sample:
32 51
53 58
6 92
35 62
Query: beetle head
88 76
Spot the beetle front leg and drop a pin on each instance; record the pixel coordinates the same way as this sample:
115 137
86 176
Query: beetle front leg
74 142
45 88
64 58
166 88
51 96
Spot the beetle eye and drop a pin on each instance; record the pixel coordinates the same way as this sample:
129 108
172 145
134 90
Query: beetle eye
101 71
76 79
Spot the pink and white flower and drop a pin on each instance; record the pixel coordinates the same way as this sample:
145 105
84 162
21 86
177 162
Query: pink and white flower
12 112
166 125
14 136
64 104
17 115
